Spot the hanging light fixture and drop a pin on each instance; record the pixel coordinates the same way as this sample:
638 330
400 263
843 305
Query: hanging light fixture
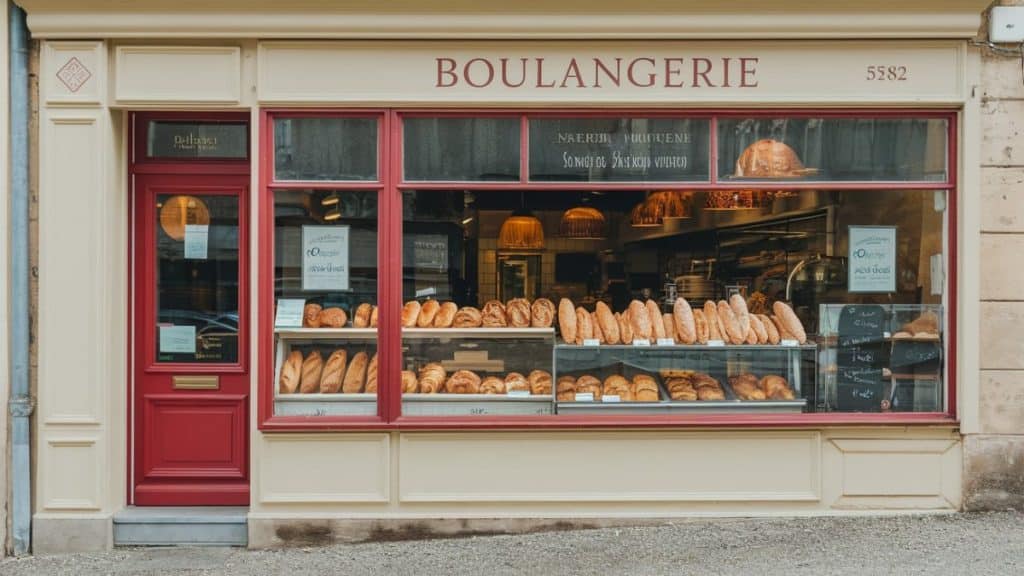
177 211
583 222
330 200
521 231
332 214
722 200
678 204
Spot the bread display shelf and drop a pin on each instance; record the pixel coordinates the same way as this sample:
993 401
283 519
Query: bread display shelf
326 333
694 347
325 404
697 406
421 333
476 405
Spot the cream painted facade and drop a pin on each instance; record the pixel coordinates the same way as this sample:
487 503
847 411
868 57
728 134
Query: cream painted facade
354 485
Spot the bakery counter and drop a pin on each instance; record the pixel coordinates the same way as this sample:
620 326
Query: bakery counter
694 407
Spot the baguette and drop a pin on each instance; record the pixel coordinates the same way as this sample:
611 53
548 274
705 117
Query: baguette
639 321
685 323
731 325
700 322
567 320
739 309
758 328
371 375
769 326
595 326
625 330
609 323
789 319
584 329
714 328
670 327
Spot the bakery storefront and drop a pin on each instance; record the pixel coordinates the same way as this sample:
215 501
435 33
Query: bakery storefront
476 285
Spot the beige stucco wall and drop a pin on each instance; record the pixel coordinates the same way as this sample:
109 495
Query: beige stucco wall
994 449
81 418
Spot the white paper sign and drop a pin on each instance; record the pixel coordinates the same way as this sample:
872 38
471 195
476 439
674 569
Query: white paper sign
591 342
872 259
325 257
584 396
641 343
518 393
197 238
612 398
666 342
790 343
178 339
289 313
716 342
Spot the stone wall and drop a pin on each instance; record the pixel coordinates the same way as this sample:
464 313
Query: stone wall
994 456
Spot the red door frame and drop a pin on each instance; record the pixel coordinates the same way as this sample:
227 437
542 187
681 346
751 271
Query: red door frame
392 183
199 177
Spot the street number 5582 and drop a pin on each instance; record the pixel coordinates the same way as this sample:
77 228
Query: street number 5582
887 73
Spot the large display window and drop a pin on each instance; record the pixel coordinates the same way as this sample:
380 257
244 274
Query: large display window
643 268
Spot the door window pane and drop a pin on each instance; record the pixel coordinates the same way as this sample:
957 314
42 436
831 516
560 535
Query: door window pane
168 139
619 150
343 149
197 278
461 149
833 149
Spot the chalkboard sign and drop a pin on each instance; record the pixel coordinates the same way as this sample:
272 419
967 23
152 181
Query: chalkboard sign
860 357
916 357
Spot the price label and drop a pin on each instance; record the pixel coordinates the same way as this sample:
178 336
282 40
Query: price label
716 342
613 398
641 343
790 343
518 394
591 342
666 342
886 334
584 396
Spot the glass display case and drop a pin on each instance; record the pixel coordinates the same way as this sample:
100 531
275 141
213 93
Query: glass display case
477 371
881 358
337 372
686 378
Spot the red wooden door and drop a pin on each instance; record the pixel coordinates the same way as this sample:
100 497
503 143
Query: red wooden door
190 343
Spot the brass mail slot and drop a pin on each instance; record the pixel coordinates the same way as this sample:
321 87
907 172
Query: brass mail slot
197 382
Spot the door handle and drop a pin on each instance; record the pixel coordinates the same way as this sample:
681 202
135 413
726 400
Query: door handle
196 382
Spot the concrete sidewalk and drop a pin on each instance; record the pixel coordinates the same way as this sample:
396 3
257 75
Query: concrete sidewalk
973 544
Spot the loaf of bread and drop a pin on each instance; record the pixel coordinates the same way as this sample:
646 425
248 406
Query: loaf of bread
700 323
518 312
410 383
655 318
770 329
789 319
355 376
608 323
361 317
746 387
514 381
291 373
428 311
431 378
334 372
739 309
312 368
616 385
445 315
728 320
493 314
467 317
463 382
567 320
751 337
566 389
639 321
589 384
680 388
645 388
333 318
714 329
371 375
758 329
410 313
492 385
584 328
670 327
781 328
311 315
625 328
776 388
707 393
685 323
540 382
542 313
595 326
373 317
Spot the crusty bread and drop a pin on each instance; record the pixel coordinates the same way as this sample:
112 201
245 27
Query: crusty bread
410 313
567 320
789 319
639 320
657 323
609 325
542 313
428 310
685 324
334 372
291 373
445 315
355 376
312 368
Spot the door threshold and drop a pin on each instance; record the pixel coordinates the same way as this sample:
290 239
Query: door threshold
181 526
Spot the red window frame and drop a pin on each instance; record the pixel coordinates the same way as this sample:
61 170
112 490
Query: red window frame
391 184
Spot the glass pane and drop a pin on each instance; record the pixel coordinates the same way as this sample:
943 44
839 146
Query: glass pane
461 149
325 149
167 139
619 150
197 278
476 264
325 291
833 149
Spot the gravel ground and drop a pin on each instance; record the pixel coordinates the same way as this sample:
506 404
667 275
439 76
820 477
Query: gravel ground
975 544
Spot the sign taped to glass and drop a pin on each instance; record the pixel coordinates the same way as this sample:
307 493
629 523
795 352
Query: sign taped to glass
872 259
325 257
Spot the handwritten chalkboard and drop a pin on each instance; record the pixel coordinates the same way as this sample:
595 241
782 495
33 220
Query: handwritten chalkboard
860 357
916 357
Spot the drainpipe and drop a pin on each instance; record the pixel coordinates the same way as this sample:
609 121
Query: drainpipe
20 401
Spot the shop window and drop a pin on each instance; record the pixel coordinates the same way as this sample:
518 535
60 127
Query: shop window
317 149
833 149
619 150
325 290
461 149
180 140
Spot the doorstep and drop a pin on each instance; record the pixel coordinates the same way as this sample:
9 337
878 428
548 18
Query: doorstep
181 526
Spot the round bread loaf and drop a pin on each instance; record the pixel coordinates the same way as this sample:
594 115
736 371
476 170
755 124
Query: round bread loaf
463 382
616 385
432 378
518 312
645 388
410 383
588 383
542 313
333 318
445 315
410 314
428 311
467 317
492 385
567 320
566 389
493 315
311 315
540 382
514 381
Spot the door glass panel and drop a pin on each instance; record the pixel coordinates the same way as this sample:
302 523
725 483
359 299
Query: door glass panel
197 278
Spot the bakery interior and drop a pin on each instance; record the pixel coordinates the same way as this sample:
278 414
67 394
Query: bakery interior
612 248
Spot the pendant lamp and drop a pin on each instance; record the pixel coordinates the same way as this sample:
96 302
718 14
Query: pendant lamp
521 231
678 204
723 200
178 211
583 222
